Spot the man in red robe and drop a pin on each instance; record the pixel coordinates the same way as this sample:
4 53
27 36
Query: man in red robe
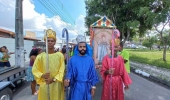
114 76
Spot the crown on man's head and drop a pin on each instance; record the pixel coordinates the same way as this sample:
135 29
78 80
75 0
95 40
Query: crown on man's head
115 37
50 34
116 42
80 38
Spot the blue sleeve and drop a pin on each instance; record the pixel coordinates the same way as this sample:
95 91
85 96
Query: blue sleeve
69 72
93 77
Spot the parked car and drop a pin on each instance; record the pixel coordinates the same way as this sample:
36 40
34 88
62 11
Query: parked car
142 47
134 46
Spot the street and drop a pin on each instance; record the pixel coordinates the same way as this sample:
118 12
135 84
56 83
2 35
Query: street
138 30
140 89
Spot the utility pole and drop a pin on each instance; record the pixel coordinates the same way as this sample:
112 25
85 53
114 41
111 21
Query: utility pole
19 41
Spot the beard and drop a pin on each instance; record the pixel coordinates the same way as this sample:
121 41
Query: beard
82 52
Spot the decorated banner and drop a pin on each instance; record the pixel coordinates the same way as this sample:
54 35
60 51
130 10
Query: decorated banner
101 33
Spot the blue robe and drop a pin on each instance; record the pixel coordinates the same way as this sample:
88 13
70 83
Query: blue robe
82 75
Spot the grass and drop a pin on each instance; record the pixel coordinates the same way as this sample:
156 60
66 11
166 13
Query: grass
152 57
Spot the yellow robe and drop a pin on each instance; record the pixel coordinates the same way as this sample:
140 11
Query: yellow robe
56 68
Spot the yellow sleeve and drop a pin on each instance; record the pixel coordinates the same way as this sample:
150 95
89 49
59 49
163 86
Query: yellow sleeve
37 70
60 75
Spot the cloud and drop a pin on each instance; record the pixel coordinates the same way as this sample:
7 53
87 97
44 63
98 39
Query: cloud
6 18
80 24
36 22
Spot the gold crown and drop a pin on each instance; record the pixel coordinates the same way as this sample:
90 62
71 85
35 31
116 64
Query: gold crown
50 34
116 42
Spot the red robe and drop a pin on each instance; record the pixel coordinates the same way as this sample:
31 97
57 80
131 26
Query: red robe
119 77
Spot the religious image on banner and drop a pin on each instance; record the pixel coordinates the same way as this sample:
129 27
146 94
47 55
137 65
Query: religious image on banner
103 47
101 44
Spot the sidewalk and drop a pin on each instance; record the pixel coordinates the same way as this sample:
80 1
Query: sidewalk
25 94
158 74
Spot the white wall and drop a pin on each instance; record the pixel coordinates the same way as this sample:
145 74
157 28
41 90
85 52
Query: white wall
10 44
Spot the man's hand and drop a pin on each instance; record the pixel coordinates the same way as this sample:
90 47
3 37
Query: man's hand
111 71
66 82
125 60
49 80
92 92
46 75
126 87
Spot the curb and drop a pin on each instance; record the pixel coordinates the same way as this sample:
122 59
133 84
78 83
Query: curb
151 77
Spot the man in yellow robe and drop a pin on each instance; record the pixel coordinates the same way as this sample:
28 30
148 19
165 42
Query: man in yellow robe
53 78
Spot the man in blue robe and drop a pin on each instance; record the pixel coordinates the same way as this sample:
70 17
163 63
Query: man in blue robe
81 75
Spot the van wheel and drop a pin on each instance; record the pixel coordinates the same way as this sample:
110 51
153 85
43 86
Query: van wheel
6 94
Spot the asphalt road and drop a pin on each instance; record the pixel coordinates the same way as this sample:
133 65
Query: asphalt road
140 89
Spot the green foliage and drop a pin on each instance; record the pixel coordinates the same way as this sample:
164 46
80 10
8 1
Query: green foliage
165 38
128 15
132 24
146 43
149 42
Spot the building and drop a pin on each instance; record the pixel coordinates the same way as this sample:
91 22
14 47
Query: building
9 34
6 34
7 38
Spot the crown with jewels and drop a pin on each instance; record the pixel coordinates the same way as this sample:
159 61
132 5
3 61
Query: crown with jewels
80 38
116 42
115 37
50 34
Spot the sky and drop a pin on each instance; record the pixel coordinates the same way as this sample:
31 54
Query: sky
43 14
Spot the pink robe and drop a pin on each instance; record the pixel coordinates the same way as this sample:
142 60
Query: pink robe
119 77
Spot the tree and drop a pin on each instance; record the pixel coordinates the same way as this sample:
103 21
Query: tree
112 11
137 39
164 34
149 42
158 15
146 43
128 15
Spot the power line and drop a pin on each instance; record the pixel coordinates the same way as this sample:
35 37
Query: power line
47 6
62 6
54 12
64 10
61 12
